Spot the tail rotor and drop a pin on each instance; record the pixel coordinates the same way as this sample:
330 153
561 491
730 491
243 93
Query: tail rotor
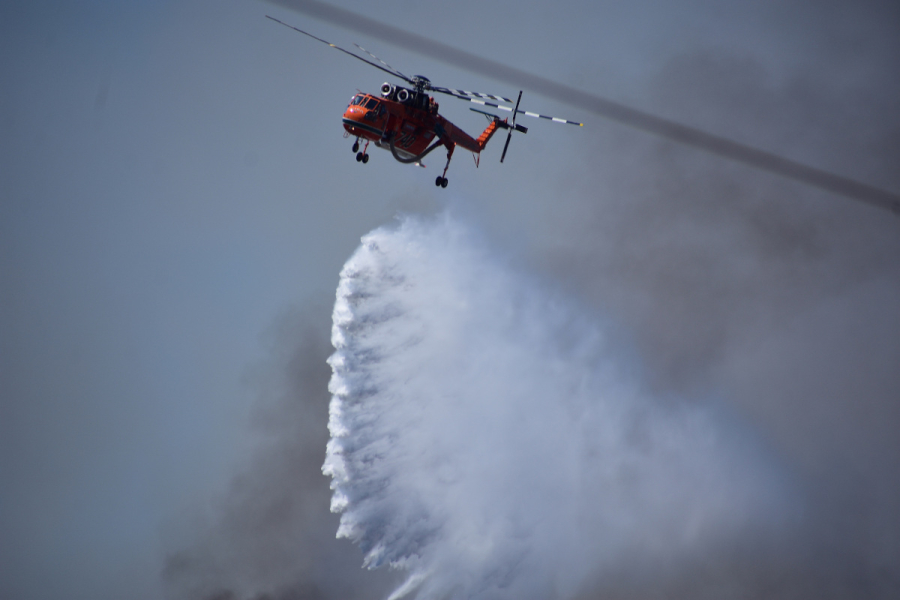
513 126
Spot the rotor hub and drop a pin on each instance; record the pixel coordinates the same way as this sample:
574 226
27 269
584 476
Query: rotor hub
421 82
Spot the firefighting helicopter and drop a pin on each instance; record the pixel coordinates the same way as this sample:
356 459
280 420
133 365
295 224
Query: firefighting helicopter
406 121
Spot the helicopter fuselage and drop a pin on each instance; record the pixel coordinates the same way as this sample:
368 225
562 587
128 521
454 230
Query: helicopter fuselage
407 120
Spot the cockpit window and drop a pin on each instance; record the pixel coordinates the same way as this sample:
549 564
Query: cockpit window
372 103
357 100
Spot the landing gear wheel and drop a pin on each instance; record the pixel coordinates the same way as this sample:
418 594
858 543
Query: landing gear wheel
359 156
438 181
365 158
356 146
443 182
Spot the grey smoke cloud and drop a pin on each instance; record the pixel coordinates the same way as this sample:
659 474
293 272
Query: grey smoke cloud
788 312
752 293
273 536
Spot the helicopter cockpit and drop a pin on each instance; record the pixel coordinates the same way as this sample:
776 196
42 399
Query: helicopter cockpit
373 107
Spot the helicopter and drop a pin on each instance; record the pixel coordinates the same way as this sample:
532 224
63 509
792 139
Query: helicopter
407 122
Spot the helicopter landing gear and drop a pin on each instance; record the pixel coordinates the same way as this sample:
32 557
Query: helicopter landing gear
441 181
363 156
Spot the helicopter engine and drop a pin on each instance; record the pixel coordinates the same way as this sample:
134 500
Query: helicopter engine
387 89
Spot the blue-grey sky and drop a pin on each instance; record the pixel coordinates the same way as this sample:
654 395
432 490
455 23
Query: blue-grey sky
177 199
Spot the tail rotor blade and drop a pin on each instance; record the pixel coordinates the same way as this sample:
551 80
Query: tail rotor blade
506 145
516 109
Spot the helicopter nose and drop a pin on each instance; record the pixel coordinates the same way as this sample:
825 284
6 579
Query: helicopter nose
354 113
356 123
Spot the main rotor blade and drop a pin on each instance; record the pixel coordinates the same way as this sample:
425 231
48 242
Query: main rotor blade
602 107
510 109
468 95
369 62
527 113
397 72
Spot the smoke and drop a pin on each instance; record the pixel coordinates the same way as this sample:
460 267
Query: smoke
771 301
271 537
491 441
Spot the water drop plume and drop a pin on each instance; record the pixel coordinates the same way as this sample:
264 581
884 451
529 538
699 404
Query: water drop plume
488 439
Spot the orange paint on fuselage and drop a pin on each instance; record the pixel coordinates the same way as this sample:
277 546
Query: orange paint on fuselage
412 128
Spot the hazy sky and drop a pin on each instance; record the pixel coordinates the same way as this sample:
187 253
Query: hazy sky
177 200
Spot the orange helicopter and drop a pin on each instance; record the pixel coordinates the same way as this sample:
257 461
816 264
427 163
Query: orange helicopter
406 120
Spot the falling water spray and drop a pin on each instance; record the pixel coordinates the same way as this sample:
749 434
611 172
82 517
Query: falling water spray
488 439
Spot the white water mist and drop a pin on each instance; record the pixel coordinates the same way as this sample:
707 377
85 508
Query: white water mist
486 438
